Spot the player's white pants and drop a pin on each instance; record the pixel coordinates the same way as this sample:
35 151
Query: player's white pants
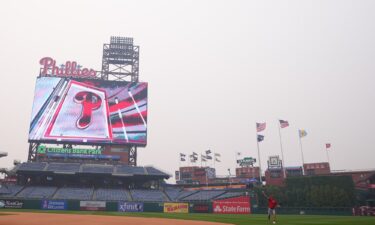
271 211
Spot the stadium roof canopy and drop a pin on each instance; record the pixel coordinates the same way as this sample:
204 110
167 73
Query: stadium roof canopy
90 169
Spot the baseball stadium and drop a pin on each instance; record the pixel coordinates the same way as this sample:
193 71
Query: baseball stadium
85 131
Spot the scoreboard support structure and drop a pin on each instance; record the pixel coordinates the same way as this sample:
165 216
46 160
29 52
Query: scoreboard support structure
32 156
120 62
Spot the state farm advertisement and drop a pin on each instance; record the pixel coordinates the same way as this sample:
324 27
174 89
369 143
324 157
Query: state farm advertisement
237 205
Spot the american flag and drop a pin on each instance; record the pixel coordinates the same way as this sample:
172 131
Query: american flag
328 145
261 127
284 123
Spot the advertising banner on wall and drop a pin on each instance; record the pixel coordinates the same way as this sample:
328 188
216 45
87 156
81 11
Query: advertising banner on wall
88 111
200 207
176 207
130 207
236 205
54 204
92 205
11 204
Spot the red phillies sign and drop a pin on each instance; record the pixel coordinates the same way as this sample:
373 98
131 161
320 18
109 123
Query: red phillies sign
69 69
236 205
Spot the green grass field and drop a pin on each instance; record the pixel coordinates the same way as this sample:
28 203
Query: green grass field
255 219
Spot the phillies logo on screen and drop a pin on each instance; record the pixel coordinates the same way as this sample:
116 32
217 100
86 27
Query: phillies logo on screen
90 102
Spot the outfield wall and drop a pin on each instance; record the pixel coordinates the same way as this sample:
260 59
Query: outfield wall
168 207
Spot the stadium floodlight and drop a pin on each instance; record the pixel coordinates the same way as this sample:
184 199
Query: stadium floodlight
3 154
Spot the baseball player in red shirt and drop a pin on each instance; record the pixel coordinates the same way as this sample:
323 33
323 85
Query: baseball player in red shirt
272 203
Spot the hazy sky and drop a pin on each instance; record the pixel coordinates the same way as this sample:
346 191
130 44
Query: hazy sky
214 68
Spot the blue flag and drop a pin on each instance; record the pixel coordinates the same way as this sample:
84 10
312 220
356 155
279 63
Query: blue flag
260 138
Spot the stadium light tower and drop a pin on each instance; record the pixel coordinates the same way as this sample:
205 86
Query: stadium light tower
120 62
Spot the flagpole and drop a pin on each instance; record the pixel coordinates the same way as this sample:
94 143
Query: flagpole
303 160
236 157
179 162
260 165
206 177
214 158
201 159
282 153
329 164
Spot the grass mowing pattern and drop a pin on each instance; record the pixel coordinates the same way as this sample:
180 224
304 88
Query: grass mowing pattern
254 219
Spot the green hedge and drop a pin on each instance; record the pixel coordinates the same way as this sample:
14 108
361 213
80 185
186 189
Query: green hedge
306 211
317 191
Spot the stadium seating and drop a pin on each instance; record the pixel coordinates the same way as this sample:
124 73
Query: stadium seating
74 193
230 195
37 192
184 194
203 196
173 193
64 167
131 170
112 194
97 168
32 166
10 190
148 195
4 190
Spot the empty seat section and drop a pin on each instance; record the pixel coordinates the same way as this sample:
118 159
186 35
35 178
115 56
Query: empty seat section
74 193
203 195
230 195
148 195
112 194
10 190
37 192
173 194
183 194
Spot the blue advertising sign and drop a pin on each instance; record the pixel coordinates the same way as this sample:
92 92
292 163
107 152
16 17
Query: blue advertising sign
130 207
54 204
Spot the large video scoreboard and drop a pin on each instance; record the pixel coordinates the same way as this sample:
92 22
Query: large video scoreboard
89 111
